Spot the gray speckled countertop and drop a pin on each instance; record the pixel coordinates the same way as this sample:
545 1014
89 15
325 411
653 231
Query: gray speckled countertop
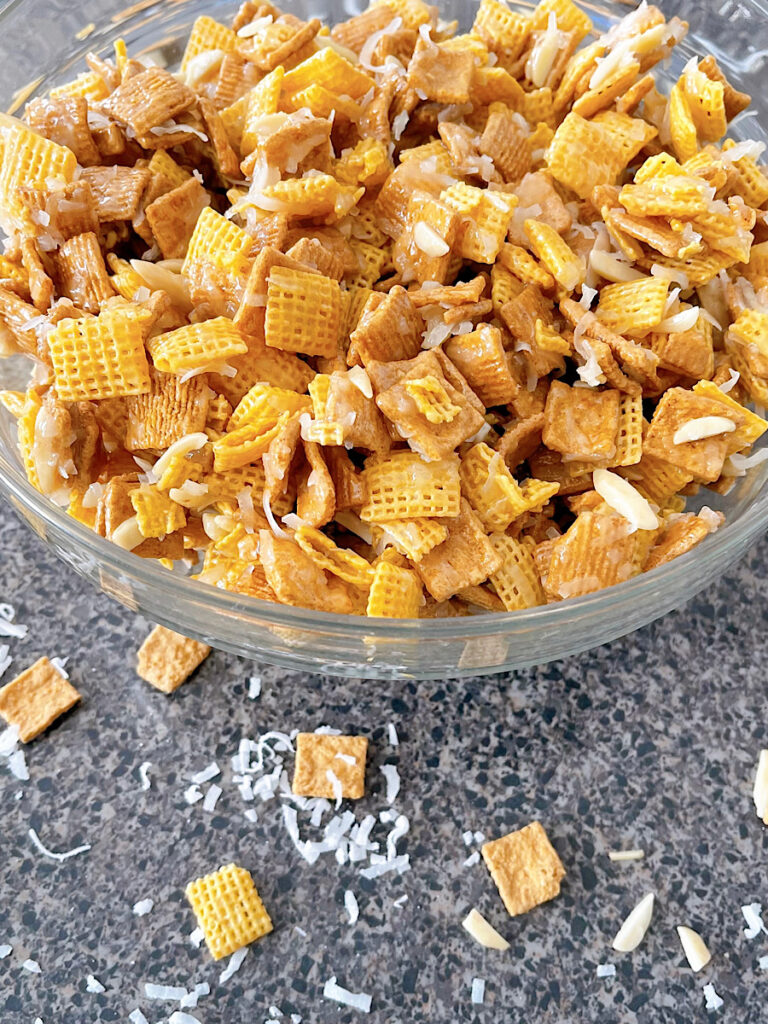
650 742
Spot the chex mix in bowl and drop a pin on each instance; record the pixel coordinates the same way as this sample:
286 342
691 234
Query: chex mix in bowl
386 319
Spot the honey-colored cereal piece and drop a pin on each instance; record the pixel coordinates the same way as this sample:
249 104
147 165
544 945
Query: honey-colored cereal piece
318 754
36 698
395 593
174 215
465 558
525 867
228 909
167 659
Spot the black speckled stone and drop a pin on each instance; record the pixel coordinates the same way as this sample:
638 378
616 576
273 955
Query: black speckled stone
651 742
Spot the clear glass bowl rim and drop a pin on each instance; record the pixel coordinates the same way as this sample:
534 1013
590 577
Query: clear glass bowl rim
714 552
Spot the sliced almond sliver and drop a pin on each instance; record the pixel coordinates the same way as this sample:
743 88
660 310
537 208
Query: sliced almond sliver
127 535
429 241
624 499
694 947
632 932
703 426
760 789
483 932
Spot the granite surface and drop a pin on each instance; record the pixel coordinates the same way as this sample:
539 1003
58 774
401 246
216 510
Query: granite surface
648 742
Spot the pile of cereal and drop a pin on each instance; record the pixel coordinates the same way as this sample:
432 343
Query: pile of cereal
388 319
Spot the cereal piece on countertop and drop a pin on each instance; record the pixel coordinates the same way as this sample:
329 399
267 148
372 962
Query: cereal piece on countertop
525 867
36 698
228 909
166 659
318 754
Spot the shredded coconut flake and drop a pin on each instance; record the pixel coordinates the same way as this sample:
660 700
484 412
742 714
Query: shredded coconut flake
606 970
32 966
196 937
93 985
146 782
234 964
143 907
137 1017
392 777
164 993
753 916
180 1017
351 907
206 774
712 1000
478 990
357 1000
50 853
254 687
5 950
211 796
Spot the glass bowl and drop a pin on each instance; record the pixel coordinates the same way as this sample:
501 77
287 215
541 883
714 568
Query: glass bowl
41 39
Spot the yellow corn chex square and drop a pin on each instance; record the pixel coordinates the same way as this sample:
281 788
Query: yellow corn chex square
303 312
246 444
505 32
568 269
266 402
682 128
568 16
633 306
487 215
414 537
156 514
584 154
195 346
395 593
414 13
90 85
505 286
99 357
263 99
28 159
207 35
330 70
403 486
228 909
517 261
319 196
217 241
490 488
342 562
516 581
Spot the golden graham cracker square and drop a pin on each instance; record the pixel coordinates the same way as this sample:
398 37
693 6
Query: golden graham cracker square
36 698
317 754
525 867
229 910
167 659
